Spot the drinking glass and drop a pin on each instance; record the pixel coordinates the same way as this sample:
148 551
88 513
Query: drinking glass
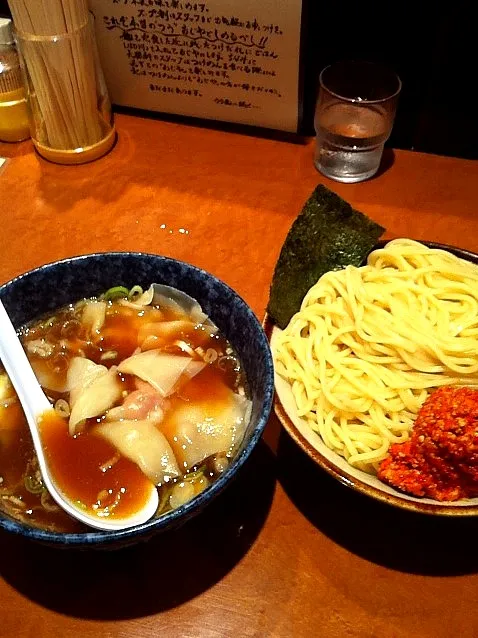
354 118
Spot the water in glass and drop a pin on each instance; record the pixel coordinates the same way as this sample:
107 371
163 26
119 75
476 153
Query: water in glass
350 140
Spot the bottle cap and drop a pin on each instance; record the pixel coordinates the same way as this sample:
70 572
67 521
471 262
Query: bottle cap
6 31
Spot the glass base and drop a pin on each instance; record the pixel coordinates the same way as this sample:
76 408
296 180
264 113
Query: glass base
78 155
343 177
347 165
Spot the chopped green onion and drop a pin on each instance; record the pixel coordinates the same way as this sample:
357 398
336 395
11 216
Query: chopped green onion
164 494
110 354
197 474
32 485
117 292
134 293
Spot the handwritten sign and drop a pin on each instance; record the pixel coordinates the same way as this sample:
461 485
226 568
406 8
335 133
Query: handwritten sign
229 60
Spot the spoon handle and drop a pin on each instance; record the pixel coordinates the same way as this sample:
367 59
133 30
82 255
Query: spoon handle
19 370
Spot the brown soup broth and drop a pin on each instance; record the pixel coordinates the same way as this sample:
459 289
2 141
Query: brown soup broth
51 343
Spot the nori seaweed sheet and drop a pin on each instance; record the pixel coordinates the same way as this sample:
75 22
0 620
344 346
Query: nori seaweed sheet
327 235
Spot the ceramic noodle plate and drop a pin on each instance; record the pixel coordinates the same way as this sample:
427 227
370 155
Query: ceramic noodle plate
312 444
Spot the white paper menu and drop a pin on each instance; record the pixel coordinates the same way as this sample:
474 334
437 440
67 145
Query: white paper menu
228 60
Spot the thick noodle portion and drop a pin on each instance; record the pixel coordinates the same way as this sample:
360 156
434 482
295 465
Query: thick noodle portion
369 344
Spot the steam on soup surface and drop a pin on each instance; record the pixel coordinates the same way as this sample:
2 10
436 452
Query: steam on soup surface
145 389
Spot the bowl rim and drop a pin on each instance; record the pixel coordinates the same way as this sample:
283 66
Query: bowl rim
175 517
343 476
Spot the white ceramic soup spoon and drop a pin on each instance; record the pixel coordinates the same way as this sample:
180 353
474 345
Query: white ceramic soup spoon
35 403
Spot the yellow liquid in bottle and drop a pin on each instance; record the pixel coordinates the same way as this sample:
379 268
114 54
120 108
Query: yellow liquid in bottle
13 116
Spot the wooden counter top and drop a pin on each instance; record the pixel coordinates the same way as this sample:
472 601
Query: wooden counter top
286 551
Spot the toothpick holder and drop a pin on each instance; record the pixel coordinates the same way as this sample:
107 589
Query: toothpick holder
69 108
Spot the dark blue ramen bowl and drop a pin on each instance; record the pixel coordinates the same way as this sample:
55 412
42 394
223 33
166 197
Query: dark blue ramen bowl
54 285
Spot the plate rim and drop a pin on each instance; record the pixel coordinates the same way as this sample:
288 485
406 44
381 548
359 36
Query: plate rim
342 476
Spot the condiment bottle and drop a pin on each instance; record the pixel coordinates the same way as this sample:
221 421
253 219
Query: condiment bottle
13 107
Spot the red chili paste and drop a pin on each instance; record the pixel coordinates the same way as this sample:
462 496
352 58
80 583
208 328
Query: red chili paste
440 460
